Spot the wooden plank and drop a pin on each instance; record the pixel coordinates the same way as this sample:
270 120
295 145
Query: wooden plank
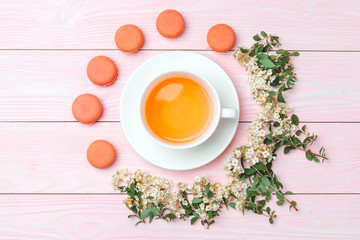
105 217
51 158
303 25
41 85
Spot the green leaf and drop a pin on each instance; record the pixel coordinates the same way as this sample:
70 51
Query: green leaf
132 188
261 202
280 202
269 136
207 188
276 147
296 53
249 171
279 196
288 148
295 119
267 62
271 221
210 214
280 51
268 210
145 213
263 34
233 205
281 98
262 56
303 128
267 141
260 166
288 193
151 218
276 124
193 220
265 181
262 188
309 156
271 95
211 222
255 180
316 159
284 140
155 210
295 140
298 132
243 50
261 48
170 216
251 191
197 200
138 222
149 197
210 194
279 185
256 37
267 48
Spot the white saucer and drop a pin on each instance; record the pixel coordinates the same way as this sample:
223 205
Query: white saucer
177 159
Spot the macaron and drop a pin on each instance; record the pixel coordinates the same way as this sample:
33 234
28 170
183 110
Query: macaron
101 71
101 154
129 38
87 108
221 37
170 23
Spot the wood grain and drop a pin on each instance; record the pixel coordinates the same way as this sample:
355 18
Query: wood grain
104 217
51 158
41 86
44 49
302 25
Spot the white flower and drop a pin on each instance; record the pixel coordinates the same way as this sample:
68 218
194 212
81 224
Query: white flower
197 179
203 215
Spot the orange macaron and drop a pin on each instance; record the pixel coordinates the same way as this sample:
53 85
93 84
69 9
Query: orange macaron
101 154
221 38
170 23
102 71
87 108
129 38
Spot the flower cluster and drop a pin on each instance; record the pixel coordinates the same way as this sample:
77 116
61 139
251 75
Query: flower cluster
154 190
151 196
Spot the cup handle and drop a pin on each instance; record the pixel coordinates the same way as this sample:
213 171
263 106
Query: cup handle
229 113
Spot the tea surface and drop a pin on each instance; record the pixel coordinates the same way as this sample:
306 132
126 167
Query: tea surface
178 110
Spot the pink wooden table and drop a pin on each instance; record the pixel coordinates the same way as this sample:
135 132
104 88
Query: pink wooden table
48 189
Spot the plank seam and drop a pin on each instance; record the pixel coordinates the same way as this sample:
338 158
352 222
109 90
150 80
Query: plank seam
110 194
73 121
155 50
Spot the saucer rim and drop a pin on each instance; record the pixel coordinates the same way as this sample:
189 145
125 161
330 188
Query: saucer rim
228 139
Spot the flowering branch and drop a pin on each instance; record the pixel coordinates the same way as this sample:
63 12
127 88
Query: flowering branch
251 180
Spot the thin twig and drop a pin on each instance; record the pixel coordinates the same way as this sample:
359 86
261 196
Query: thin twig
279 191
276 189
307 151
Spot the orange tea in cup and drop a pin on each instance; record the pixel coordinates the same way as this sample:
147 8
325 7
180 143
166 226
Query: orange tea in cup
178 110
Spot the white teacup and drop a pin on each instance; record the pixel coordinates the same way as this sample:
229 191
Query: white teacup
218 111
